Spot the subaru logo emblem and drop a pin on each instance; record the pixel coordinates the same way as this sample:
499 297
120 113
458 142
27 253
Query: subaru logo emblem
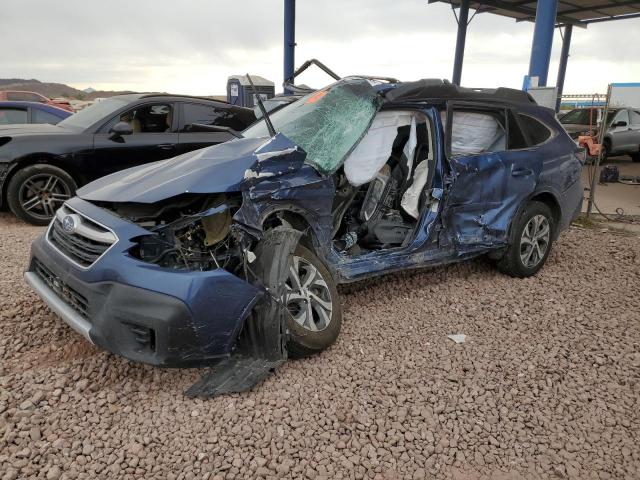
70 223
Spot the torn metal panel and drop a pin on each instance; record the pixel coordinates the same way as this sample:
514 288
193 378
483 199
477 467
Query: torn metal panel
261 347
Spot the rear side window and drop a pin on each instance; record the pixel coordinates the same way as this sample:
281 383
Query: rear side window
195 115
537 131
10 116
474 132
635 117
24 97
40 116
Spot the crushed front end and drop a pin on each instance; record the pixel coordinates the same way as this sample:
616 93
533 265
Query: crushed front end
167 291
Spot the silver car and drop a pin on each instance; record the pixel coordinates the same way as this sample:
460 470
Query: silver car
623 129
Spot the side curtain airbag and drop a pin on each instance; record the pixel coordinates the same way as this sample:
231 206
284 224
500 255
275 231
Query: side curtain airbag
476 133
374 149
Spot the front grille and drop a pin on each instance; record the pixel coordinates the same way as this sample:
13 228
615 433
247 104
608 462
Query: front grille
85 243
70 296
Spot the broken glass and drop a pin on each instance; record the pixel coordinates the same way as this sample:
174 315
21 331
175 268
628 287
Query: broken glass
328 123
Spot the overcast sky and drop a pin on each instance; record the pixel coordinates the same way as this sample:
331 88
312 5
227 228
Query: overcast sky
192 46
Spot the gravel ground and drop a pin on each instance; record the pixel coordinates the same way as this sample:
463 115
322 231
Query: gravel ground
547 384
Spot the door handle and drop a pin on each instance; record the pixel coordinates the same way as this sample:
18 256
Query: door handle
166 146
521 172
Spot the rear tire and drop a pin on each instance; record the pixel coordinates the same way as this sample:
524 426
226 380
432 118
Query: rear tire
635 157
531 240
315 313
37 191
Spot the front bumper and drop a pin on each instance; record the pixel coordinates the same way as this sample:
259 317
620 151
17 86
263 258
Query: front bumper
138 310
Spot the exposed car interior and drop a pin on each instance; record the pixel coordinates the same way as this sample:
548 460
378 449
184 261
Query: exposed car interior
384 184
149 118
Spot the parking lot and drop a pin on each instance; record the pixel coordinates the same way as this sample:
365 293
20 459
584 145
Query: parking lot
545 386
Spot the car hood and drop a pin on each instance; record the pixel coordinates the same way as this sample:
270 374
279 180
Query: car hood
226 167
32 129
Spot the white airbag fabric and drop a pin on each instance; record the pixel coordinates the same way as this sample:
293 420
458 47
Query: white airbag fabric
409 149
475 133
374 149
411 197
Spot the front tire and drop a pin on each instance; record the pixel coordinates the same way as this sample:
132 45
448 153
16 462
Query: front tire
532 236
37 191
311 297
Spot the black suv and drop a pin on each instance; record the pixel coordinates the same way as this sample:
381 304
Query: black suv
42 165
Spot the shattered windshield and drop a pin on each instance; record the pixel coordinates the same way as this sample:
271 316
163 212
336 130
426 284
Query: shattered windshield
327 124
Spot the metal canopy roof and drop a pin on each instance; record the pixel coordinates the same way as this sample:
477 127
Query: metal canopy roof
570 12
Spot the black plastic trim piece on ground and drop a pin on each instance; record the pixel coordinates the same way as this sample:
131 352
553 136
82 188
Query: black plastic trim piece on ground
261 346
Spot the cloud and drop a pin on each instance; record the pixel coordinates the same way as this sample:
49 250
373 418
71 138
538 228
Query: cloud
192 46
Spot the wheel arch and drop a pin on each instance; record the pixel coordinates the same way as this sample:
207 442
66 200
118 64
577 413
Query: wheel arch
296 219
546 197
34 159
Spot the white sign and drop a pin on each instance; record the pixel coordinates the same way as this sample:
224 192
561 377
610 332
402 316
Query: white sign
545 96
625 95
234 89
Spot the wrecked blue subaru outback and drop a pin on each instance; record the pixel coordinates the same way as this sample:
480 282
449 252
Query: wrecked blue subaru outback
230 256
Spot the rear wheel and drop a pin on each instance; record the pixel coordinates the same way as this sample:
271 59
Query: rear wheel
311 297
531 239
636 156
37 191
606 149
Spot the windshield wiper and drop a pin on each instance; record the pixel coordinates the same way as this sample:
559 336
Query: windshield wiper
265 115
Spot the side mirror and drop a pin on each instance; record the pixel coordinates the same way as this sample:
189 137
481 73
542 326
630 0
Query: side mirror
120 129
620 123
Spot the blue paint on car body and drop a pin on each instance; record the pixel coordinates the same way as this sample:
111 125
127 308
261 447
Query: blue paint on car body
475 200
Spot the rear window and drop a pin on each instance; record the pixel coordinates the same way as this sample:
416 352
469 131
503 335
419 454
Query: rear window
537 131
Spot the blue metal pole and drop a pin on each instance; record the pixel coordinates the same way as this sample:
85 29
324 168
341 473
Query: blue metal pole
463 20
289 38
564 59
543 40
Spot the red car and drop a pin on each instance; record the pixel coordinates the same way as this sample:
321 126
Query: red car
19 96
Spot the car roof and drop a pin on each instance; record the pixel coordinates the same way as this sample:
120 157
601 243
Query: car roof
170 96
437 89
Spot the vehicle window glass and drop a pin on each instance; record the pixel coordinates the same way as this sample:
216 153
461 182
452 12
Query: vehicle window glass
537 131
635 117
516 138
622 116
579 117
24 97
93 113
195 114
40 116
9 116
150 118
474 132
328 123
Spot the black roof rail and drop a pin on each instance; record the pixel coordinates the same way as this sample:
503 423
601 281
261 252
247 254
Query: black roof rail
442 89
194 97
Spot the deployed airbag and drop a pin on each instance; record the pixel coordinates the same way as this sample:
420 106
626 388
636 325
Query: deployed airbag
473 132
411 197
374 149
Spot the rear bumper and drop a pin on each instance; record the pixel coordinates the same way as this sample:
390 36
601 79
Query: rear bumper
140 311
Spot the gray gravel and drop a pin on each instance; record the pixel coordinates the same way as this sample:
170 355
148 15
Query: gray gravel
546 385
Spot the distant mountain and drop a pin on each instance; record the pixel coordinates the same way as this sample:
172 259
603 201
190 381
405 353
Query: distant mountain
89 90
53 90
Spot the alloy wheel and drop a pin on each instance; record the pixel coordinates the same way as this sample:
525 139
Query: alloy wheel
535 241
42 194
308 298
